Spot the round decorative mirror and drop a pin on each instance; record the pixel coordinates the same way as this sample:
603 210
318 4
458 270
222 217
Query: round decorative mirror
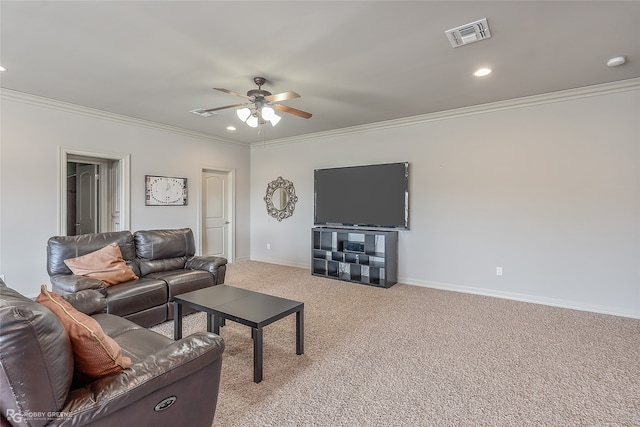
280 198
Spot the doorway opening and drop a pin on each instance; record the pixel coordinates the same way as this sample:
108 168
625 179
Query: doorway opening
94 190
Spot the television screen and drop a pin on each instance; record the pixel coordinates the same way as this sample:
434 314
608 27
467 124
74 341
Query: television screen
374 196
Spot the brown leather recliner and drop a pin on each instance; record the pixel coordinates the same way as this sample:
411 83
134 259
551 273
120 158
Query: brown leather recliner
168 383
164 261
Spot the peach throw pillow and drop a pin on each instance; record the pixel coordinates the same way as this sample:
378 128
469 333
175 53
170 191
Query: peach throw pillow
105 264
95 354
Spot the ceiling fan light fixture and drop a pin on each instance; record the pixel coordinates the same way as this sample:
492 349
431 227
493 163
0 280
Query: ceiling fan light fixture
260 110
243 113
267 113
253 121
274 119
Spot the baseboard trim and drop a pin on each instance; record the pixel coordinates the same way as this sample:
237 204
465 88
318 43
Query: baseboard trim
514 296
553 302
280 262
534 299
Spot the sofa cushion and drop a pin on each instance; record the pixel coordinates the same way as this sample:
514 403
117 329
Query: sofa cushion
162 250
137 295
148 267
95 354
136 342
105 264
181 281
60 248
35 355
161 244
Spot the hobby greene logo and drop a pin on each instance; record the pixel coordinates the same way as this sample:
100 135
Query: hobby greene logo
19 417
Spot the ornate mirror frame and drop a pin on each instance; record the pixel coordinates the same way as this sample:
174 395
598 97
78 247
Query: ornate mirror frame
284 188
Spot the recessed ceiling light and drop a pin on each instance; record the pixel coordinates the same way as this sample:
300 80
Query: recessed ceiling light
231 128
2 68
618 60
481 72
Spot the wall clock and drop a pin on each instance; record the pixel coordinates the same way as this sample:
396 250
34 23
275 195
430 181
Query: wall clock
165 191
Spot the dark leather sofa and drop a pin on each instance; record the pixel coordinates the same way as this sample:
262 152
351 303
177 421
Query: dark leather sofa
163 260
168 383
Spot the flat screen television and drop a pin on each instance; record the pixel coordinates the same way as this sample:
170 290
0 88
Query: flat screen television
371 196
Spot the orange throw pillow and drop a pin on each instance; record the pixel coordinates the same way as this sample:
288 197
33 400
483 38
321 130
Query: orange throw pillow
105 264
95 354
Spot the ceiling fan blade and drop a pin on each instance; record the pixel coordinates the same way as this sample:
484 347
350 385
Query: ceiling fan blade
282 96
226 106
293 111
230 92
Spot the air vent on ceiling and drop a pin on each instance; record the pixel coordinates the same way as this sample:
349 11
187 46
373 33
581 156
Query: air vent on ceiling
469 33
204 113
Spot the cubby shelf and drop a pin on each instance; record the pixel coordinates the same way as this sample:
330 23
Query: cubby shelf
376 264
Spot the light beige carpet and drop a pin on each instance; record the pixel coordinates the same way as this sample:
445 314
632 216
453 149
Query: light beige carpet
412 356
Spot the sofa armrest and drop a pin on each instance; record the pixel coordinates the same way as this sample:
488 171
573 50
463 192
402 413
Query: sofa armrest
206 263
71 283
89 301
177 361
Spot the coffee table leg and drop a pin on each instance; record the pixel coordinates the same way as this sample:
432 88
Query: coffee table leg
300 331
216 323
177 320
257 354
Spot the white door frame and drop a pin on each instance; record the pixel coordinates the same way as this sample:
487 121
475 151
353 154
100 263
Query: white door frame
231 173
124 161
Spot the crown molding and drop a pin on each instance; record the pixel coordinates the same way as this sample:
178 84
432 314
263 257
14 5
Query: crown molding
558 96
26 98
551 97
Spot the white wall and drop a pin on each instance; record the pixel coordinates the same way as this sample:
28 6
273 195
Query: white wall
546 187
549 189
34 129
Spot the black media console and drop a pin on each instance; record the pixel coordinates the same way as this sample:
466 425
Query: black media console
369 257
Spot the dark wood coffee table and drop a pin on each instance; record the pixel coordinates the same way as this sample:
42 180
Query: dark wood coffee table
256 310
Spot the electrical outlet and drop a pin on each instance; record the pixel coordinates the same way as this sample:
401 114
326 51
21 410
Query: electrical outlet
268 246
498 271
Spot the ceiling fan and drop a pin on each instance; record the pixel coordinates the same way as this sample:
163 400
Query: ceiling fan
261 103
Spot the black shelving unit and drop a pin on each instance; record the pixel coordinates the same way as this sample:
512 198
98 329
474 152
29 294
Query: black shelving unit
374 262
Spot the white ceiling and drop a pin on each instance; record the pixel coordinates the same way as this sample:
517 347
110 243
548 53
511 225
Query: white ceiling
353 62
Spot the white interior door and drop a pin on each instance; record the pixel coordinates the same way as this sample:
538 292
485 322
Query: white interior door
216 211
86 199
